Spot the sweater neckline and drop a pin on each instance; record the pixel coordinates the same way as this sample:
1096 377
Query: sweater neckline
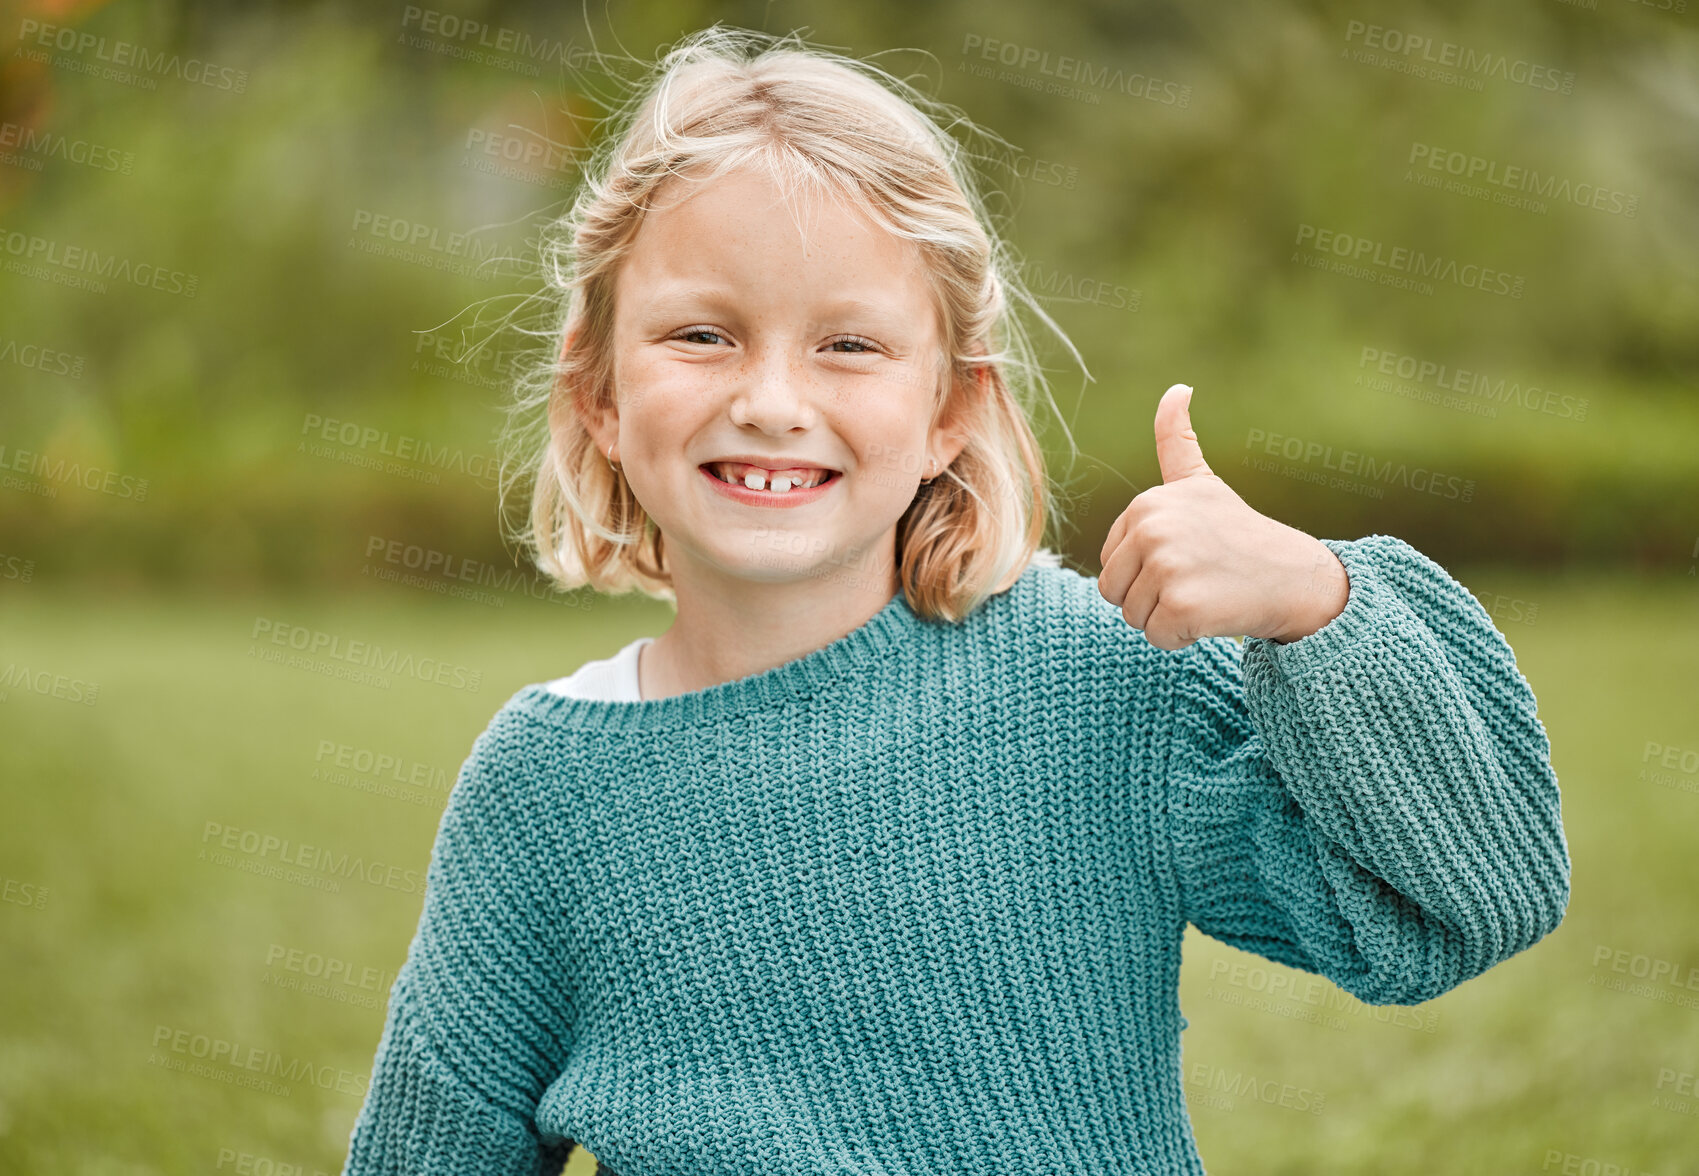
876 637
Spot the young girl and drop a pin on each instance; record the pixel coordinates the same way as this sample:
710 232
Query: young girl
879 859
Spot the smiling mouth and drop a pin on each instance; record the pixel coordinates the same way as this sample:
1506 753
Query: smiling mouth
773 482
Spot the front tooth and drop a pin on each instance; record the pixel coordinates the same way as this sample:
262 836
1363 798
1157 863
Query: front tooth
755 480
781 484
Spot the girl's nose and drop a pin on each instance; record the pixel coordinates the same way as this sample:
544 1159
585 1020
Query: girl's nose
773 393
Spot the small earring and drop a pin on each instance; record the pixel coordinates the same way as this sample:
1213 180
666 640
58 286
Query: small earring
611 464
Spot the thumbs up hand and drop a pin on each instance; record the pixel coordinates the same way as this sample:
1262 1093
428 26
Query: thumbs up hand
1190 559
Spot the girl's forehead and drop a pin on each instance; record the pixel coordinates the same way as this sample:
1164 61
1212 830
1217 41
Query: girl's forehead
752 191
721 237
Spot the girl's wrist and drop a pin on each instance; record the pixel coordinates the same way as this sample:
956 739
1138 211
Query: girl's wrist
1322 599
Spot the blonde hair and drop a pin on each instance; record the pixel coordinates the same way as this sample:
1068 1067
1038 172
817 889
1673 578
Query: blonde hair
724 98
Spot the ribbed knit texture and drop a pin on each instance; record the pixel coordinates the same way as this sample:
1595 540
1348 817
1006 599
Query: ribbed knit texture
913 904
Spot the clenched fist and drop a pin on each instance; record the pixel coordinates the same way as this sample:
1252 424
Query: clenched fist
1189 559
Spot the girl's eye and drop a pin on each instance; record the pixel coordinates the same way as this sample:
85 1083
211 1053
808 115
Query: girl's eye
693 334
685 334
867 345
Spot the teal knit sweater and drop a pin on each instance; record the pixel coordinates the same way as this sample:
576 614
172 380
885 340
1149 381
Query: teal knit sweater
912 904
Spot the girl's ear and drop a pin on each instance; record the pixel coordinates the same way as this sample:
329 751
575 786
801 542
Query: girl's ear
949 434
602 423
599 420
943 446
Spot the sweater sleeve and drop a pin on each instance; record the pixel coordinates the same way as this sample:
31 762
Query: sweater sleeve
1374 802
474 1032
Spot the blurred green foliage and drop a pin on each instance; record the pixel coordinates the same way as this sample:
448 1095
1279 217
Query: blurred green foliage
1161 232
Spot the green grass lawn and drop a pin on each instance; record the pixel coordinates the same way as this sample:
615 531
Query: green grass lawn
124 945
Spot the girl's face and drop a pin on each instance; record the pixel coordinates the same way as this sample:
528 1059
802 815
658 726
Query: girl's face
809 352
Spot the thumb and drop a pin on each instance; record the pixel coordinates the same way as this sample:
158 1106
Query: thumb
1177 448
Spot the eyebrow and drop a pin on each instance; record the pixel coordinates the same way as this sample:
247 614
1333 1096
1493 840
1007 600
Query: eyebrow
674 297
